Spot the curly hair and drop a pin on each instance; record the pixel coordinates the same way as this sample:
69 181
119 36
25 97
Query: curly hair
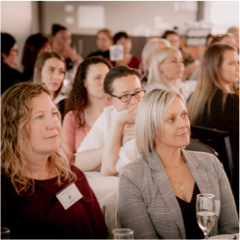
77 99
15 114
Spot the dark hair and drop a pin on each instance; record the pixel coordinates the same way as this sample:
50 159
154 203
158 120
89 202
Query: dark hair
119 35
77 99
30 51
168 32
39 65
56 28
7 42
118 72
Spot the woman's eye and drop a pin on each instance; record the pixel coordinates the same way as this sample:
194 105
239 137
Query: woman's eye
39 117
170 119
50 70
184 115
55 113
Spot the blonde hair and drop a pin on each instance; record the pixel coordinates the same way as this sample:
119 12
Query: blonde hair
150 118
150 47
209 81
154 74
15 114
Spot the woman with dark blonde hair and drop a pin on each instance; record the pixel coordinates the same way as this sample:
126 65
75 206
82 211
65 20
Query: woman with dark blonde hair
86 101
215 101
50 68
35 173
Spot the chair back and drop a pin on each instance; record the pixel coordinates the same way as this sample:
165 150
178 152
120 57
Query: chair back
219 141
196 145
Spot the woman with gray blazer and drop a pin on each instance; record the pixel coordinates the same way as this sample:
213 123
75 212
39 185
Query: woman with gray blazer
157 192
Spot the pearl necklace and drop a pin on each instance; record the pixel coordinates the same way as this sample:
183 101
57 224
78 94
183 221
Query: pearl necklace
181 185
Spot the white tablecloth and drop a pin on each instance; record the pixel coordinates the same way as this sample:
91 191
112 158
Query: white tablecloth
100 184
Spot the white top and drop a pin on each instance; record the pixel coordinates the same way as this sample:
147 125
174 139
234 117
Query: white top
98 134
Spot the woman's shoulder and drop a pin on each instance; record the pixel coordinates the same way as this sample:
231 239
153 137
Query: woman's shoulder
203 159
136 168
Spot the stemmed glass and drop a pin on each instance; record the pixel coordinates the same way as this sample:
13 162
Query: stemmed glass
123 233
205 209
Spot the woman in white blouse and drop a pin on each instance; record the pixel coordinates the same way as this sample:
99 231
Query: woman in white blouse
110 142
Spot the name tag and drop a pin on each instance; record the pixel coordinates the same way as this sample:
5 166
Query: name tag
68 196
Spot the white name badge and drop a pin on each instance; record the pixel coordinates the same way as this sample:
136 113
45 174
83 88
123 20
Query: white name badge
68 196
116 52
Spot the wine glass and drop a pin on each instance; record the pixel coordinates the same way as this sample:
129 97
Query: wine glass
122 233
205 209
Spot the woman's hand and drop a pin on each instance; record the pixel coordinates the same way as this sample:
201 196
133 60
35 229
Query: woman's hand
127 116
128 133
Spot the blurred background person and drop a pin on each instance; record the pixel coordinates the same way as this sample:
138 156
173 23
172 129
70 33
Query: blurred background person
34 46
189 62
61 44
166 70
9 60
226 39
158 191
34 170
50 68
215 101
122 38
86 101
152 45
104 41
235 31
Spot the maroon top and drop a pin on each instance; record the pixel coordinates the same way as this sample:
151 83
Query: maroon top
41 215
135 63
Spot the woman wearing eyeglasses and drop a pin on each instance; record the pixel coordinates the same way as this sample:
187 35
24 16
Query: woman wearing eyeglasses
110 142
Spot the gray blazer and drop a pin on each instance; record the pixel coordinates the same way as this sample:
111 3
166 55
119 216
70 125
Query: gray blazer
147 203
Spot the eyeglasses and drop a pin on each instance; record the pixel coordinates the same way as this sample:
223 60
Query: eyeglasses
128 97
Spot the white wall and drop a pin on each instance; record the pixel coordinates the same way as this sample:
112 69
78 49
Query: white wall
122 15
20 19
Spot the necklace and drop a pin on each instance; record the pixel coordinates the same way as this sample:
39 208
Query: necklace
181 185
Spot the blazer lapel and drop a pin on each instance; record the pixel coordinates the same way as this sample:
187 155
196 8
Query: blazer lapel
164 186
199 173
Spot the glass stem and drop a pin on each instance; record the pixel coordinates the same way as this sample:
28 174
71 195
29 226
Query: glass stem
206 235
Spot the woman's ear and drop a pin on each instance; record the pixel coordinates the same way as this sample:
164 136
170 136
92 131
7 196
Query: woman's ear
159 67
109 99
4 55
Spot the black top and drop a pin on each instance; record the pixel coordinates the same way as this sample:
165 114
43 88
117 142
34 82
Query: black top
192 229
100 53
69 64
27 75
9 76
226 118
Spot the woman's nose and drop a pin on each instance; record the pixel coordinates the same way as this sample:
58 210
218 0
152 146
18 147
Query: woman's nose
51 123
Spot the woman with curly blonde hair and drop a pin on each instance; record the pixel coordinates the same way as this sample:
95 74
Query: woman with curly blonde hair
34 171
86 101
